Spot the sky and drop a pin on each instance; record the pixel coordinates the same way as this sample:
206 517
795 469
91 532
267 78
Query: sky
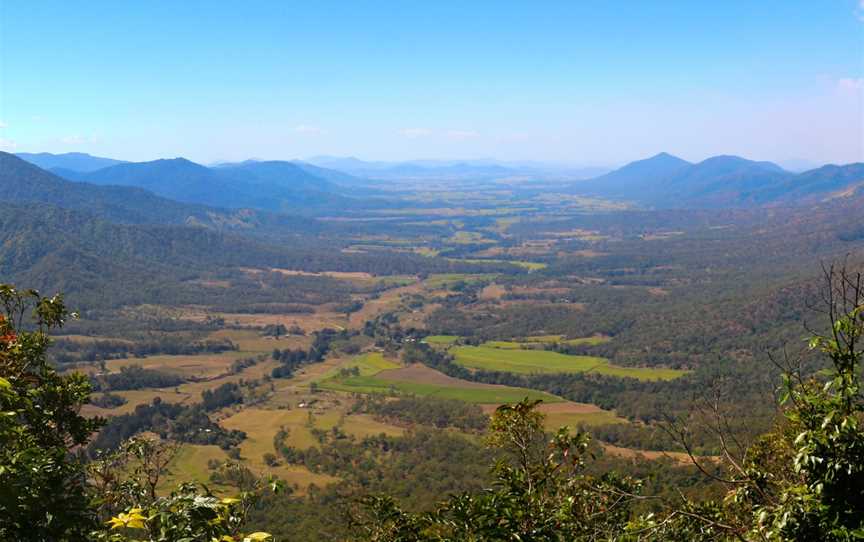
581 82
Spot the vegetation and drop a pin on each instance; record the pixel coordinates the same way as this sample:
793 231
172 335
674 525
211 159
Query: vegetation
47 493
512 360
432 411
358 356
802 481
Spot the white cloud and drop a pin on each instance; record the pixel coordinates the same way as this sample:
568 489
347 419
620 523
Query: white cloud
309 129
413 133
851 84
462 135
7 144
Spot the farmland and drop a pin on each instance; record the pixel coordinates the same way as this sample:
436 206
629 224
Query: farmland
518 360
376 374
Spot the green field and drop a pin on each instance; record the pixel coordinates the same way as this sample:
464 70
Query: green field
536 341
371 364
491 395
554 421
444 280
489 358
368 364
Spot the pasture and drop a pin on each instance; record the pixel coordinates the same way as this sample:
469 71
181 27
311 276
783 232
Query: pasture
377 374
523 361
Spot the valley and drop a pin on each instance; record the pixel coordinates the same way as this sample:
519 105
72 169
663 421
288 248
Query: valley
360 350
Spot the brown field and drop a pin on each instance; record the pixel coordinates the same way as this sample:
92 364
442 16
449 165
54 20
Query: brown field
250 340
189 392
388 300
198 366
417 372
316 321
344 275
629 453
534 303
569 408
88 338
211 283
493 291
588 253
137 397
570 414
539 290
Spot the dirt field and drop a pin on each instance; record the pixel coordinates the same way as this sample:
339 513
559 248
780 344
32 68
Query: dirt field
425 375
629 453
388 300
493 291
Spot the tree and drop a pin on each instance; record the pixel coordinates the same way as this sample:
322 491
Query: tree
42 482
541 493
47 492
804 480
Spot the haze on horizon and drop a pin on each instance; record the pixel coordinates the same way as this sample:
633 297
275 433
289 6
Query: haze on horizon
584 84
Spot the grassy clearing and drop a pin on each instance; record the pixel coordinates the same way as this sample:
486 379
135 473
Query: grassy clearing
201 365
368 364
190 465
491 395
554 420
536 341
251 340
374 370
542 361
445 280
530 266
441 340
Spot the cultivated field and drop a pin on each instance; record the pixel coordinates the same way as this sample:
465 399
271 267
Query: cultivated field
529 361
379 375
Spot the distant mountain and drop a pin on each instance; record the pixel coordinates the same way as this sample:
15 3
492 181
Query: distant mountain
284 174
23 183
273 186
453 170
637 175
826 182
665 181
72 161
721 181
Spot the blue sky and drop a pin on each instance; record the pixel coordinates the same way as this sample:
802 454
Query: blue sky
582 82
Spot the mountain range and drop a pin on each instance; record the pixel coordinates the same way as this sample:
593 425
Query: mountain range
23 183
666 181
326 184
75 161
452 170
274 186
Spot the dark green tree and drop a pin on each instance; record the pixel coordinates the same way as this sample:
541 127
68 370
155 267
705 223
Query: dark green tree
42 481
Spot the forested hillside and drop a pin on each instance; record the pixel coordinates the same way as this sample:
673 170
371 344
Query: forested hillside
666 181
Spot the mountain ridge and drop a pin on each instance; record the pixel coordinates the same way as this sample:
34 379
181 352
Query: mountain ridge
73 161
665 181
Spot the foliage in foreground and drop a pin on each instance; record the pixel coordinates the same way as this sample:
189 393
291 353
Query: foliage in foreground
48 492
